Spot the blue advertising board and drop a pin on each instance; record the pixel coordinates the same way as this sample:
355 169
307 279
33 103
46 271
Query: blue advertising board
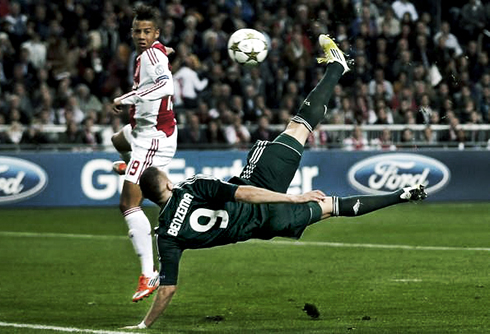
59 179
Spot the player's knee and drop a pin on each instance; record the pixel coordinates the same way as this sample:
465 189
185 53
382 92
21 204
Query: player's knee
125 205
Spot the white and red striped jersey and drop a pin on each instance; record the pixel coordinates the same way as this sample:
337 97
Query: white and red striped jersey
151 97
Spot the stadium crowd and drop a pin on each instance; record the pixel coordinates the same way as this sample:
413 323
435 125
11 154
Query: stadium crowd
63 62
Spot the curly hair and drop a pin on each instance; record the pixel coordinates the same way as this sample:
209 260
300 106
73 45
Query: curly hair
147 13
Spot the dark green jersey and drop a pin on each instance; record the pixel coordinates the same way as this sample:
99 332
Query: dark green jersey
202 213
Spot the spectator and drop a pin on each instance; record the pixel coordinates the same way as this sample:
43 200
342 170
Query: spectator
107 133
317 139
57 51
365 24
15 111
485 104
401 7
482 66
263 131
236 133
407 137
87 101
383 115
167 34
14 132
40 20
88 134
356 141
423 52
473 19
379 79
298 49
36 48
373 9
388 23
3 74
214 134
72 134
16 20
192 133
33 135
4 138
429 137
232 79
71 111
446 40
384 142
188 83
344 11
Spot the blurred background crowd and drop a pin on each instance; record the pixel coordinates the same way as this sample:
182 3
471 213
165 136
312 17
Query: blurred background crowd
415 62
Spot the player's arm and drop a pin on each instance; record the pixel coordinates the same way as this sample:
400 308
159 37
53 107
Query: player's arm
255 195
160 303
155 64
220 191
170 258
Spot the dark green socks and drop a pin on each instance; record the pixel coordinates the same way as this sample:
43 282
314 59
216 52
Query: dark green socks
358 205
314 107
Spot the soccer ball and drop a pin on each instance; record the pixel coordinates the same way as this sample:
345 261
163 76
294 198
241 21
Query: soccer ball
247 47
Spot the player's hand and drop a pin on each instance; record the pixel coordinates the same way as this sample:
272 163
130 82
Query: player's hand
130 327
141 325
169 50
117 105
312 196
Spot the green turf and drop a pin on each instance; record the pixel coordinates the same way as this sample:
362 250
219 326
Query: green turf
257 287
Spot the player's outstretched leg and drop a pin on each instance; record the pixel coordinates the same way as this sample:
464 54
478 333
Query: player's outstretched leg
314 107
359 205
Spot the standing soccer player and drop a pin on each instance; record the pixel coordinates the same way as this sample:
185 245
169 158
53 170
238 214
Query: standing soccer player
203 212
149 140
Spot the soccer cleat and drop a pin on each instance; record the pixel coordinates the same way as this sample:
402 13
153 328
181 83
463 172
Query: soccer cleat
119 167
146 286
414 193
332 52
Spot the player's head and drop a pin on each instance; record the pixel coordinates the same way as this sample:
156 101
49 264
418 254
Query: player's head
155 185
146 27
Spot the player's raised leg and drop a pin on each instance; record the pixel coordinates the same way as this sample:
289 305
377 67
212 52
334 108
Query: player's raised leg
314 107
273 165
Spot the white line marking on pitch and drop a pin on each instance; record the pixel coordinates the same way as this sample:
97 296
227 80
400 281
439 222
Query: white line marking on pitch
61 329
356 245
61 235
276 242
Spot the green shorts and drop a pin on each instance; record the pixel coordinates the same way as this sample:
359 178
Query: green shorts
272 165
289 220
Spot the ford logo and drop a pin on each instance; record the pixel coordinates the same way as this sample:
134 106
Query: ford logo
20 179
388 172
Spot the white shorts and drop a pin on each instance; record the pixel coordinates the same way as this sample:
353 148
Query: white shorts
155 151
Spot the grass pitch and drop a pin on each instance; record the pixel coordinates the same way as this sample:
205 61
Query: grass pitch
75 268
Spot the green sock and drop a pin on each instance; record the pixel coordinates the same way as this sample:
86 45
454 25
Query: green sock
359 205
314 107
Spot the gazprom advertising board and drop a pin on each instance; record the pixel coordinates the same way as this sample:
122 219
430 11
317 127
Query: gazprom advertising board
86 179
